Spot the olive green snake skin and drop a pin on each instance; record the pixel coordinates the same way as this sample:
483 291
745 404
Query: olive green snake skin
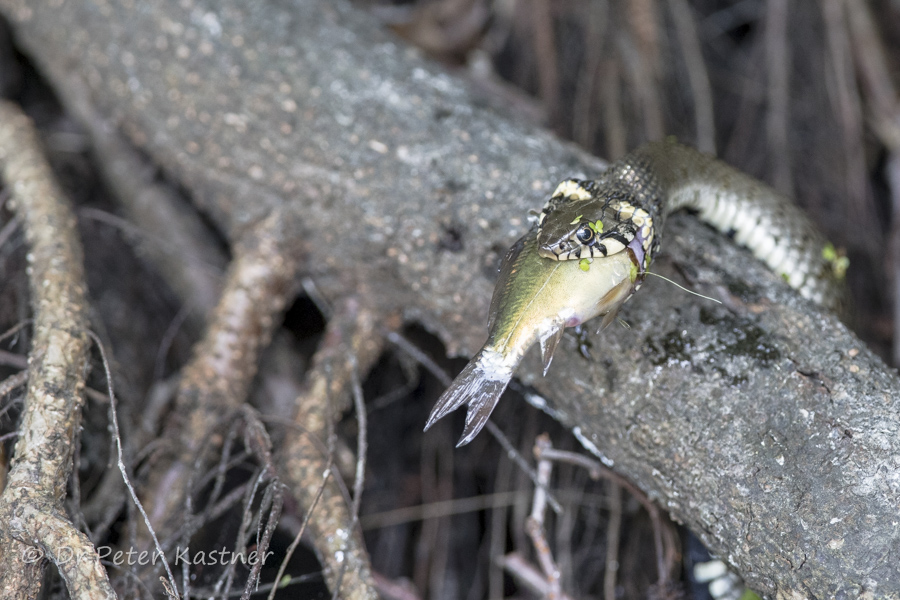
627 207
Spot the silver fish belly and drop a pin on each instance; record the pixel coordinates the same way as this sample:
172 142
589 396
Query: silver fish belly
534 300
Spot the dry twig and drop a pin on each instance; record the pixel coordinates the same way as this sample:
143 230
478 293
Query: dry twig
884 108
698 78
546 56
613 534
667 553
534 525
528 575
778 68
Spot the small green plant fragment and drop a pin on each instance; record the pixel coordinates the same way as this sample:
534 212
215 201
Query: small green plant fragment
597 226
576 220
584 264
633 273
786 277
840 267
839 263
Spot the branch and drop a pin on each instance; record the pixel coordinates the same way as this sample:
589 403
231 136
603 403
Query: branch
765 425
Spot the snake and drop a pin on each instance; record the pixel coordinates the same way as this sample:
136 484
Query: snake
627 206
547 282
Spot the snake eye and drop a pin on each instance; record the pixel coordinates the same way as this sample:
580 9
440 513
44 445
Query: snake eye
584 234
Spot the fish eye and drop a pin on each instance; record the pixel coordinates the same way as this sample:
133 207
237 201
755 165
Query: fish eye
584 234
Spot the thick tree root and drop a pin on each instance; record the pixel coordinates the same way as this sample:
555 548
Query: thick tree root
33 523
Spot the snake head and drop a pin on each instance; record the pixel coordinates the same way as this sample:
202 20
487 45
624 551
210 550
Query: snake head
581 237
588 220
584 229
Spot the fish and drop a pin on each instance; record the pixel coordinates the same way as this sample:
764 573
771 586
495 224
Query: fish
534 300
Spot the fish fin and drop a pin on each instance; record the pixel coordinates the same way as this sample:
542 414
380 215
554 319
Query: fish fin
614 299
480 410
607 319
479 385
548 346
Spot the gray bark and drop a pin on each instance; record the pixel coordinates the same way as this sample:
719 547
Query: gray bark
764 425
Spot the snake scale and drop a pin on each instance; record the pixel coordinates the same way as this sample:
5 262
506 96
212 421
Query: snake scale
628 205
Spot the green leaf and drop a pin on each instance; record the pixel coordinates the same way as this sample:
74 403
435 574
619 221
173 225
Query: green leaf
584 264
575 222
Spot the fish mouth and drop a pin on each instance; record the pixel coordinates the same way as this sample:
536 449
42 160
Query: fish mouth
556 244
554 252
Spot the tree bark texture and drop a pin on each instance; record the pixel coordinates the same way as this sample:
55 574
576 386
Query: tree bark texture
763 424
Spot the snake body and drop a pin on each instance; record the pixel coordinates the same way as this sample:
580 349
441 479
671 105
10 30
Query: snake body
626 209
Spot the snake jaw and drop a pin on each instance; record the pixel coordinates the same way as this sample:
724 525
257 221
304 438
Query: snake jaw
557 243
582 221
570 247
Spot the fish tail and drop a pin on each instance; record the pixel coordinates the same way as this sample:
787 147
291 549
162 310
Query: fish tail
479 385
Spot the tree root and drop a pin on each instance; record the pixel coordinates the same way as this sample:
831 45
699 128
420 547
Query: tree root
33 523
352 344
215 384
